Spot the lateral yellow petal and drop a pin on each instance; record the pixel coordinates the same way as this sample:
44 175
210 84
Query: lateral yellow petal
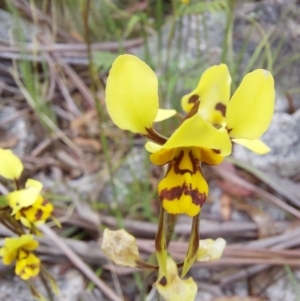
132 94
251 108
152 147
257 146
195 131
163 156
164 114
11 166
213 92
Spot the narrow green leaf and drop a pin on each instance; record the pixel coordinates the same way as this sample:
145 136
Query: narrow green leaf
35 293
133 21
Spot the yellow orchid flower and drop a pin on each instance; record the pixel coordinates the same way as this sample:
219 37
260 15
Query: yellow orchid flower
172 288
24 198
29 206
11 166
28 266
36 214
132 102
20 249
248 113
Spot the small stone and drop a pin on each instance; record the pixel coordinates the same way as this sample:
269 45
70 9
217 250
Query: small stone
283 137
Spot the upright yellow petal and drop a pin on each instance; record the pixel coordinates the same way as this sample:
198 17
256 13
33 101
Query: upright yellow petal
213 92
251 108
257 146
11 166
31 183
195 131
132 94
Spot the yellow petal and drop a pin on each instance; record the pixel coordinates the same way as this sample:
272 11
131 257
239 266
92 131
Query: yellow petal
30 183
163 156
184 189
172 288
251 108
11 166
28 267
195 131
8 257
152 147
164 114
132 94
120 247
213 92
257 146
14 245
22 198
210 249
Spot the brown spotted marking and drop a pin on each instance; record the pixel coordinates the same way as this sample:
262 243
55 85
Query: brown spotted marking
221 107
193 98
178 160
33 266
39 214
217 151
176 192
163 281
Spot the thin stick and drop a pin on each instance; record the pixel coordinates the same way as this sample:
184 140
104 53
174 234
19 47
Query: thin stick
253 188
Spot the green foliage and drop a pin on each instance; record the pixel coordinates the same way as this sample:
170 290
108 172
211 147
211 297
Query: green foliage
293 281
103 60
200 7
3 201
